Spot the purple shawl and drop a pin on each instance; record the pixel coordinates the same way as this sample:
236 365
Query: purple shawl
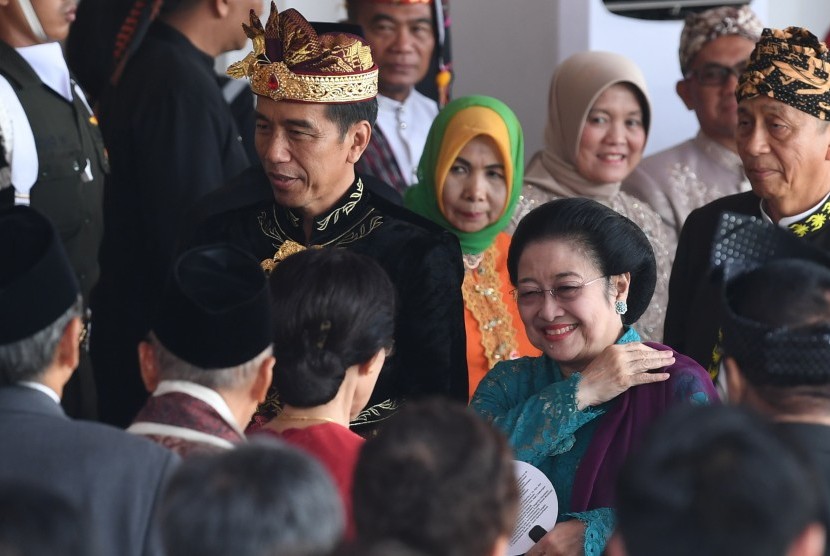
623 426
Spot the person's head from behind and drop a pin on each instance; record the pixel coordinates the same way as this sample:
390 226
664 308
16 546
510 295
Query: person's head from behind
213 327
39 300
783 137
315 109
334 315
580 271
402 37
31 22
261 499
39 522
598 119
714 50
218 21
439 479
776 334
470 175
719 481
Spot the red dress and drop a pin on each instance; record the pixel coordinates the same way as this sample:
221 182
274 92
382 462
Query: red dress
337 448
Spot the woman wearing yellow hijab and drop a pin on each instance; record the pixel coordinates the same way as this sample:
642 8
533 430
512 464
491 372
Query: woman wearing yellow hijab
469 181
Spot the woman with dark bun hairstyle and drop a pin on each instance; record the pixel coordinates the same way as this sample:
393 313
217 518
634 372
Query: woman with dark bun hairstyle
333 315
583 274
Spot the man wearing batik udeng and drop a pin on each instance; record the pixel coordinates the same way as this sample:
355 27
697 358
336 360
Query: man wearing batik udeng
714 49
315 109
783 139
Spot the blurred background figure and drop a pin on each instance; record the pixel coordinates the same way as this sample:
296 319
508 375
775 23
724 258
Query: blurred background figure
598 120
776 324
583 274
717 481
35 521
470 179
438 479
334 315
403 35
172 138
714 51
262 498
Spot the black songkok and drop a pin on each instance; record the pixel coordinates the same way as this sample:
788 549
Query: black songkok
37 284
215 310
791 66
770 354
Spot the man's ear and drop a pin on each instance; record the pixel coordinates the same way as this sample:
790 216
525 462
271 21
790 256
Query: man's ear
685 94
221 7
358 138
149 366
68 352
262 382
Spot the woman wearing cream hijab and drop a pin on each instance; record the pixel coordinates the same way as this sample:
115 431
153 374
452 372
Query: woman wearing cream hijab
598 119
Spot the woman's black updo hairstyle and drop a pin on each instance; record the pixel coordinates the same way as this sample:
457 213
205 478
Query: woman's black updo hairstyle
332 309
614 243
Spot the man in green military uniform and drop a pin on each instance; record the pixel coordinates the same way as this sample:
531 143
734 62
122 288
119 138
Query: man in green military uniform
56 154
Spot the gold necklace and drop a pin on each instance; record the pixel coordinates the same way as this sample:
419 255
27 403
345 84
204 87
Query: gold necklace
305 418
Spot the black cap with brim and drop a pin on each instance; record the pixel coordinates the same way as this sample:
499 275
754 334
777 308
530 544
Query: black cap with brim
215 310
37 284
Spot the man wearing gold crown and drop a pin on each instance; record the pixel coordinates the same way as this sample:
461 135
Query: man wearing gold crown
783 139
315 109
402 35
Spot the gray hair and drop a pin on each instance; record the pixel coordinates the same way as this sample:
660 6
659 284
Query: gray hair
28 359
172 367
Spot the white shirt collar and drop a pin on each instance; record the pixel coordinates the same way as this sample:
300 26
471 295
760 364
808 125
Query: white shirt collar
50 66
41 388
210 397
787 220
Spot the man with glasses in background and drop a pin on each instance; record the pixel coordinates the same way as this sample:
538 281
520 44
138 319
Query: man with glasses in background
714 49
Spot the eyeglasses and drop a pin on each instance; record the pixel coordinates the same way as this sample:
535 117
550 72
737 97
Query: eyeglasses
528 297
716 75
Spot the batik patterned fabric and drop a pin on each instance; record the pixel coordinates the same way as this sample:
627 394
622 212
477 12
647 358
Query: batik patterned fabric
790 66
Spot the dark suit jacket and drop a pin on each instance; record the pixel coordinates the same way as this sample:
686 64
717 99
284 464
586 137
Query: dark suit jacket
693 312
115 478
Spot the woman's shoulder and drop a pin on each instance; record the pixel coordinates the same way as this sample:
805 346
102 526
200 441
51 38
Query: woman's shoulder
687 378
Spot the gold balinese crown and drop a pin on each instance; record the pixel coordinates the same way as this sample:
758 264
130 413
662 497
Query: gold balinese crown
291 62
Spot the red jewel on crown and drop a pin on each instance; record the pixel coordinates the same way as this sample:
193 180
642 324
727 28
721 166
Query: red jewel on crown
273 82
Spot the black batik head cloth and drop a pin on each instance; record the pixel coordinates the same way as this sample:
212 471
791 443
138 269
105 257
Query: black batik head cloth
770 354
790 66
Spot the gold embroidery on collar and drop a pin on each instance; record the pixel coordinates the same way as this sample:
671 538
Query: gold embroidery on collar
270 226
812 223
367 226
375 413
483 298
346 209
